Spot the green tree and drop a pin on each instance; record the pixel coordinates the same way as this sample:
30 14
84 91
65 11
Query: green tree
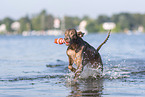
87 18
8 21
71 22
143 20
103 18
42 21
92 26
124 21
49 22
36 23
25 24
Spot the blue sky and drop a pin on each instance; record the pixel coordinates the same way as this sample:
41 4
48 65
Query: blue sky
93 8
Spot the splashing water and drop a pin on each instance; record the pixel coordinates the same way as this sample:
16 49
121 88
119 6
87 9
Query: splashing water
113 70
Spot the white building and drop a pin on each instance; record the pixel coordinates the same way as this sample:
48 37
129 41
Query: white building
109 25
15 26
140 29
82 27
3 28
56 23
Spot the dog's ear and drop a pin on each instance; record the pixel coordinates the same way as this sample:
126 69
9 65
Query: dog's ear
80 34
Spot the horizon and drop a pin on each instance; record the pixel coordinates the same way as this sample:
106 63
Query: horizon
16 9
33 14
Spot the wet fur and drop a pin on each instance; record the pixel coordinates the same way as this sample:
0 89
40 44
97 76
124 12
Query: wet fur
81 53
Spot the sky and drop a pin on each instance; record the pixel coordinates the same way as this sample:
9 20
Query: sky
18 8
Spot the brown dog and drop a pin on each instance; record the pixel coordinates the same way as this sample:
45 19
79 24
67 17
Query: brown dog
81 53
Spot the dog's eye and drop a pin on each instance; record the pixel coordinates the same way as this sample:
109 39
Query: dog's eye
72 32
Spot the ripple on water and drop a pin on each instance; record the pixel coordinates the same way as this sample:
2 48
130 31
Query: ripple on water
30 78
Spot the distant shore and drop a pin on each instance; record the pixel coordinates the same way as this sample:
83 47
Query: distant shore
121 22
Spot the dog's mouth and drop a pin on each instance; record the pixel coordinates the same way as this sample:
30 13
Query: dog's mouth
67 43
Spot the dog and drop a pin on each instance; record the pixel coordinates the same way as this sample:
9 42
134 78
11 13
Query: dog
82 53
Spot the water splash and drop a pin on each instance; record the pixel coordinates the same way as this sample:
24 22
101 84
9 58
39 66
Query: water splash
115 72
120 69
90 72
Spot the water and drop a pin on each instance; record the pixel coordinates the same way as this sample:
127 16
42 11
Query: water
34 66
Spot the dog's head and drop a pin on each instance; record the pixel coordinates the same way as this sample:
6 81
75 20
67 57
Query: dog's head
71 35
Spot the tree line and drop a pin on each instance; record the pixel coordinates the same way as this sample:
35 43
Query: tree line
44 21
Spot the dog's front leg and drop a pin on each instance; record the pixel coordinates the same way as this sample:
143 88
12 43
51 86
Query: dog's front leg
79 70
70 65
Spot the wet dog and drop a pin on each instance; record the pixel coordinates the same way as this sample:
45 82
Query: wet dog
81 53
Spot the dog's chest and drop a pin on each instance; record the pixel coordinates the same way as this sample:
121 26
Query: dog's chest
77 57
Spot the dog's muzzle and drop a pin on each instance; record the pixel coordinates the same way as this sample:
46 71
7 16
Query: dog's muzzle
67 41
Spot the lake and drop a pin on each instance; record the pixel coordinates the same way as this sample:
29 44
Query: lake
33 66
